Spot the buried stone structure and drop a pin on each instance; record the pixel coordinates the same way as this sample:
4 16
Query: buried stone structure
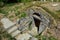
34 18
34 21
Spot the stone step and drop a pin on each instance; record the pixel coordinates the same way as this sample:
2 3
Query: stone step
7 23
24 36
13 34
12 29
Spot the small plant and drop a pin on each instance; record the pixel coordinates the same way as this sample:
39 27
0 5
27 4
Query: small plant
30 25
25 1
11 16
58 11
23 14
52 38
55 0
43 38
3 12
17 13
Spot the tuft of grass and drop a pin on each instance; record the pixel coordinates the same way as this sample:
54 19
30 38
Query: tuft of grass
23 14
43 37
11 4
17 13
55 0
11 16
58 11
4 12
52 38
24 1
30 25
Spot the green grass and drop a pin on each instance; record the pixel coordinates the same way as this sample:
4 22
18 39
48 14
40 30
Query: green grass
3 12
55 0
24 1
52 38
11 16
49 0
17 13
59 0
30 25
23 14
58 11
43 37
11 4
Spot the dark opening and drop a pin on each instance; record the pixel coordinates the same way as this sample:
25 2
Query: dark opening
10 1
36 20
36 14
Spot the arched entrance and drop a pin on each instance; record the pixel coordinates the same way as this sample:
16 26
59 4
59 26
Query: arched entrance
37 20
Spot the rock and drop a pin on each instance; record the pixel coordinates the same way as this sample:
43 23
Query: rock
24 36
42 28
7 23
15 33
14 28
